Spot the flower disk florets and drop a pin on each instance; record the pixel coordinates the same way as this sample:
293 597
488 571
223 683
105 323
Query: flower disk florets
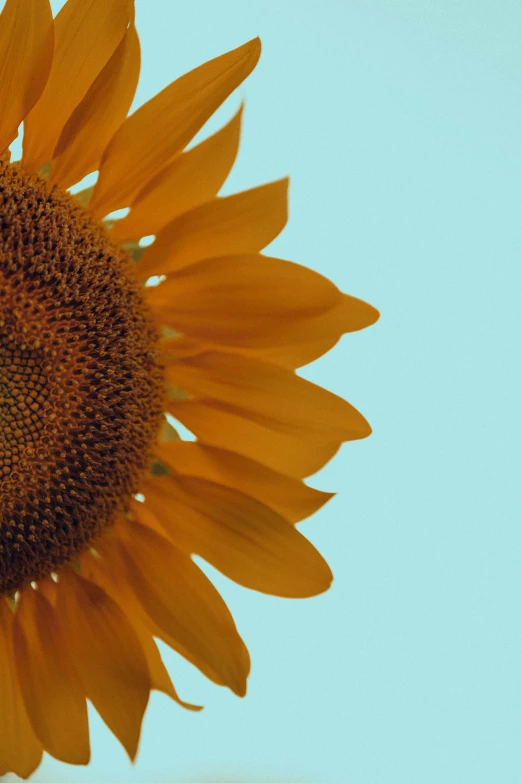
80 381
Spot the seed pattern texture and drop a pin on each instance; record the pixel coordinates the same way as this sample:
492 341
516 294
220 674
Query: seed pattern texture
80 379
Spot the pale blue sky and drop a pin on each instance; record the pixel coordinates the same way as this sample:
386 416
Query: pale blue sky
399 122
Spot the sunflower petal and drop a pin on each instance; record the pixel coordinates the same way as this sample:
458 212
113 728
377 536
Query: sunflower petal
286 495
243 223
49 589
86 34
251 397
26 43
265 390
307 340
180 347
161 128
95 120
110 574
243 301
298 341
159 676
227 427
107 656
20 750
179 597
99 572
191 179
241 537
53 698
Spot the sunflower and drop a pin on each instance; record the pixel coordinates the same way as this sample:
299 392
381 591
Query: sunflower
103 344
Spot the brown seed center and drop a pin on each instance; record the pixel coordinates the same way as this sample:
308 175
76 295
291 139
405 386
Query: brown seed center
80 380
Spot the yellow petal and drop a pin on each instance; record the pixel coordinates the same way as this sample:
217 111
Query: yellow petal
86 34
95 120
243 538
230 427
244 223
53 698
242 300
284 494
20 750
107 656
26 44
191 179
179 598
161 128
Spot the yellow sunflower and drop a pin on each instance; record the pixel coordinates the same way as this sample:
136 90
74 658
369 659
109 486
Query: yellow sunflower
102 504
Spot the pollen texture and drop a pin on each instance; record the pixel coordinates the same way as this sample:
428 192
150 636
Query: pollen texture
80 380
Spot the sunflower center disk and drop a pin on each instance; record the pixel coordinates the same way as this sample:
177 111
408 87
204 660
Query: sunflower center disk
80 382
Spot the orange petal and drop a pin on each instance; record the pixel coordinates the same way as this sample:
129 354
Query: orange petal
297 342
242 300
107 656
180 347
26 43
243 538
271 391
95 120
306 341
161 128
20 750
99 572
191 179
49 589
110 574
159 676
284 494
244 223
268 442
86 34
179 598
291 413
53 697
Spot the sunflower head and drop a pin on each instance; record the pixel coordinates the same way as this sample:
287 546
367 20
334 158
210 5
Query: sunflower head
104 345
81 384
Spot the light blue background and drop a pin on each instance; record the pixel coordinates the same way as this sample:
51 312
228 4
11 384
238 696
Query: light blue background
400 123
